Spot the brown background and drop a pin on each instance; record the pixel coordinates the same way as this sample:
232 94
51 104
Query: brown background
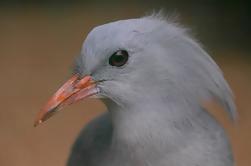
37 48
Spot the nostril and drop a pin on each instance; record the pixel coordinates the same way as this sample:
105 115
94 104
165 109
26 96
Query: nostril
84 82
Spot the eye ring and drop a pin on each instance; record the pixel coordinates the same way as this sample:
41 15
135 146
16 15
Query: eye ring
119 58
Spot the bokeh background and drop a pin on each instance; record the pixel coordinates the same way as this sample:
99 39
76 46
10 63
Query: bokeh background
40 38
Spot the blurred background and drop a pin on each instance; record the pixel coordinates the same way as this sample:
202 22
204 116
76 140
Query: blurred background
39 40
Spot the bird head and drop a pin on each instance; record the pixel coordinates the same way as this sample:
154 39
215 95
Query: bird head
138 61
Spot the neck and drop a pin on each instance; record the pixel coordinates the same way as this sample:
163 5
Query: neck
149 125
155 131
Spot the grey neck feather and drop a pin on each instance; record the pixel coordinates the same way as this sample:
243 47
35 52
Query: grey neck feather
155 132
156 121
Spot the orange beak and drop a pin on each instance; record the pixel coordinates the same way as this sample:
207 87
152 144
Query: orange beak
72 91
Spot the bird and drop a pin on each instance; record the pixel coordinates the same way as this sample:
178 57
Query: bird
153 78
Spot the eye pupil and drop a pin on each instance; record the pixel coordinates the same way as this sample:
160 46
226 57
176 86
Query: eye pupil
119 58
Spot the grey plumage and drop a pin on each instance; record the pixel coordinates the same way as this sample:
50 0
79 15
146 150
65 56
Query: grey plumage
154 117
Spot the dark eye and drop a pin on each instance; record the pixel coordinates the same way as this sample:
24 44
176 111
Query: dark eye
119 58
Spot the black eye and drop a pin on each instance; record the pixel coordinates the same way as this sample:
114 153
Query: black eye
119 58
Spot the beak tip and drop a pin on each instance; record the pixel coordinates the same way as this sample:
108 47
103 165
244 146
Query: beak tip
36 123
43 116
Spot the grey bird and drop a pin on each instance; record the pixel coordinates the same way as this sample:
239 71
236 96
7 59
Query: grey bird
153 77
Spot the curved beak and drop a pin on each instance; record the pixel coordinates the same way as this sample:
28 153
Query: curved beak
72 91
